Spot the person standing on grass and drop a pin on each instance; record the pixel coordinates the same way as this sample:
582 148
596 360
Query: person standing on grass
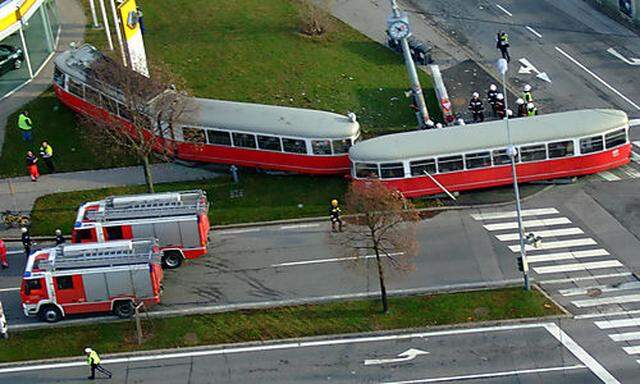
93 360
3 255
46 152
32 166
26 126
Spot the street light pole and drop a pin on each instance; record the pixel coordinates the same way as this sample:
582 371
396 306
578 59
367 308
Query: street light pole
512 153
422 114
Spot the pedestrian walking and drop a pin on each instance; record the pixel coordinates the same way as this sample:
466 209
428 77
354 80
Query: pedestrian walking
334 215
26 241
26 126
46 152
492 94
522 107
502 44
500 107
531 109
59 238
93 360
3 255
476 107
32 166
527 96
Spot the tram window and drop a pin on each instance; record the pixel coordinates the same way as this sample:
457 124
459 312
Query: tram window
478 160
110 105
591 144
341 146
75 88
294 146
219 137
419 167
391 170
92 96
271 143
615 138
245 140
500 157
321 147
124 112
560 149
365 170
450 164
193 135
533 152
58 77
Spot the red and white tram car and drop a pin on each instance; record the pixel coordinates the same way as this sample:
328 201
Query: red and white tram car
251 135
474 156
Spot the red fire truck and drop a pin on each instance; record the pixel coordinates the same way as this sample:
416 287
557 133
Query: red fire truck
91 278
177 219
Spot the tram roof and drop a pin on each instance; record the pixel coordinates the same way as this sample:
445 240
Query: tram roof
492 134
268 119
77 62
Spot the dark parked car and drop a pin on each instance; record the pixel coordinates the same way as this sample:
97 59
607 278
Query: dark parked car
10 58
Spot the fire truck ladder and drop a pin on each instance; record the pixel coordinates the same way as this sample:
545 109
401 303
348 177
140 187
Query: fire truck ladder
148 206
74 257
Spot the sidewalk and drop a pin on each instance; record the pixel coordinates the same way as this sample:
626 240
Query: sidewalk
72 24
25 192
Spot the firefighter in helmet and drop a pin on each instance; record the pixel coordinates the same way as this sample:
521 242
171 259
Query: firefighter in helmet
26 241
334 215
522 107
59 237
476 107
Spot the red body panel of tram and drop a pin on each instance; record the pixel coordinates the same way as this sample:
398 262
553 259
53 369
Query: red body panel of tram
300 163
501 175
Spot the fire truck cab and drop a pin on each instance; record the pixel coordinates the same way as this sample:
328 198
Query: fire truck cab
91 278
177 219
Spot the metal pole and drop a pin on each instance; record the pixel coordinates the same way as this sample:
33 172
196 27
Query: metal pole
105 20
423 113
94 16
516 189
116 22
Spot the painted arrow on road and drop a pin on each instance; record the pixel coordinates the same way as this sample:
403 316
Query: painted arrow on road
527 68
403 357
630 61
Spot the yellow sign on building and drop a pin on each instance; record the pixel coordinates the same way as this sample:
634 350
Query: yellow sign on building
130 25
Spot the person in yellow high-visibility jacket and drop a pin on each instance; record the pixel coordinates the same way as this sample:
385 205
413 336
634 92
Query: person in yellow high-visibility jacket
25 125
93 360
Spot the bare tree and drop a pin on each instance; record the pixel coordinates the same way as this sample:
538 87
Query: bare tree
314 19
148 107
381 222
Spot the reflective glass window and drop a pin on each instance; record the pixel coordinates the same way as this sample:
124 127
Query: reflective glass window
391 170
244 140
450 164
591 144
13 65
294 145
193 135
341 146
271 143
533 152
500 157
419 167
76 88
560 149
321 147
365 170
615 138
478 160
217 137
91 95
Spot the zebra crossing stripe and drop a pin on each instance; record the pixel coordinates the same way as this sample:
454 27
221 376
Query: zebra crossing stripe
630 171
555 244
527 224
602 288
635 157
577 267
583 278
620 323
543 234
636 143
606 301
567 255
632 350
609 176
628 336
512 214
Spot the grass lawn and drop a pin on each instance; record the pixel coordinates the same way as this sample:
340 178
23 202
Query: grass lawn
279 323
265 197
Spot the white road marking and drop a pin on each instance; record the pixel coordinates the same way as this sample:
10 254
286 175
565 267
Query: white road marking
297 226
331 260
606 301
619 323
630 171
566 255
543 234
9 289
14 252
527 224
602 288
609 176
630 61
635 157
606 314
634 122
576 62
632 350
628 336
555 244
637 143
583 278
488 375
408 355
237 231
533 31
504 10
578 267
512 214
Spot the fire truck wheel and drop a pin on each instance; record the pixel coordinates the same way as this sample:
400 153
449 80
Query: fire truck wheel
123 309
50 314
171 260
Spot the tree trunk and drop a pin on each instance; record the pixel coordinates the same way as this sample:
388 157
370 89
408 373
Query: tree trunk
148 178
383 288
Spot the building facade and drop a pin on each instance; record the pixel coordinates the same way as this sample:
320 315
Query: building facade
29 31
